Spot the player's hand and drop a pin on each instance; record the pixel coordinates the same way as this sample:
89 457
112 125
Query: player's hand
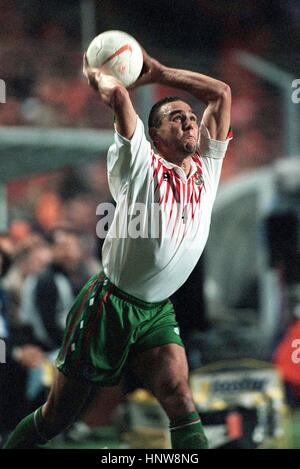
150 73
92 74
101 80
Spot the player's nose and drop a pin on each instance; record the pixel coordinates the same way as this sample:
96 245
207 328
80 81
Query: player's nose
187 123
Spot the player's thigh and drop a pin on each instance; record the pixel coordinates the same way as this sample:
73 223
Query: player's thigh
66 398
161 367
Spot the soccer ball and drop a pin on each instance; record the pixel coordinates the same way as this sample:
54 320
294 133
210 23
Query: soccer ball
119 52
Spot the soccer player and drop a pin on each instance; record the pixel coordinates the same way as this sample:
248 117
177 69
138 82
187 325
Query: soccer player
124 315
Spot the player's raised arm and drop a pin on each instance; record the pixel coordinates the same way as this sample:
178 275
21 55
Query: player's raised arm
113 93
214 93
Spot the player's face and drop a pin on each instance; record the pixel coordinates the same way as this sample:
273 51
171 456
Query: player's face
179 129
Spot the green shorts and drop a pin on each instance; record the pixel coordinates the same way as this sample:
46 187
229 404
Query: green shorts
106 325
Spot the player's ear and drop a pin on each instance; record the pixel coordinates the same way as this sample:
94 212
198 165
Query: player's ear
153 135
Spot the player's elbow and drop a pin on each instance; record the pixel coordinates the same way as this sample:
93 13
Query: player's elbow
220 95
225 93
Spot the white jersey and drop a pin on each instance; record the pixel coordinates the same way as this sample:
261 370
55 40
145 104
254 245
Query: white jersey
162 218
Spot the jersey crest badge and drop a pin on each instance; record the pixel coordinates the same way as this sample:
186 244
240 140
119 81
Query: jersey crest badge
198 179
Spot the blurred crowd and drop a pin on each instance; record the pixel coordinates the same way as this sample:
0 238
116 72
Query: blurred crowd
40 275
68 196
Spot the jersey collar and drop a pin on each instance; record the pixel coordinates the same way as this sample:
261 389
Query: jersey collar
179 171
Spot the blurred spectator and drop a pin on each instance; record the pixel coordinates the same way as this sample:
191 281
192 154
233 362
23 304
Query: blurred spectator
20 231
71 252
30 257
13 404
80 212
4 314
48 294
48 210
4 335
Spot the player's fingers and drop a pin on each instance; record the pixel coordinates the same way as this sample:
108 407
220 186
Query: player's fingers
93 79
145 53
88 72
85 65
147 61
92 74
85 61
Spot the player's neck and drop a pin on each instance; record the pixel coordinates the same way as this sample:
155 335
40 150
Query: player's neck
186 165
183 162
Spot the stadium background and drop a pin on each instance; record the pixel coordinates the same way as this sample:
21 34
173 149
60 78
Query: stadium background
244 297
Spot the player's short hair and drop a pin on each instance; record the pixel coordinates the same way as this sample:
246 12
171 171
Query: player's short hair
154 119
